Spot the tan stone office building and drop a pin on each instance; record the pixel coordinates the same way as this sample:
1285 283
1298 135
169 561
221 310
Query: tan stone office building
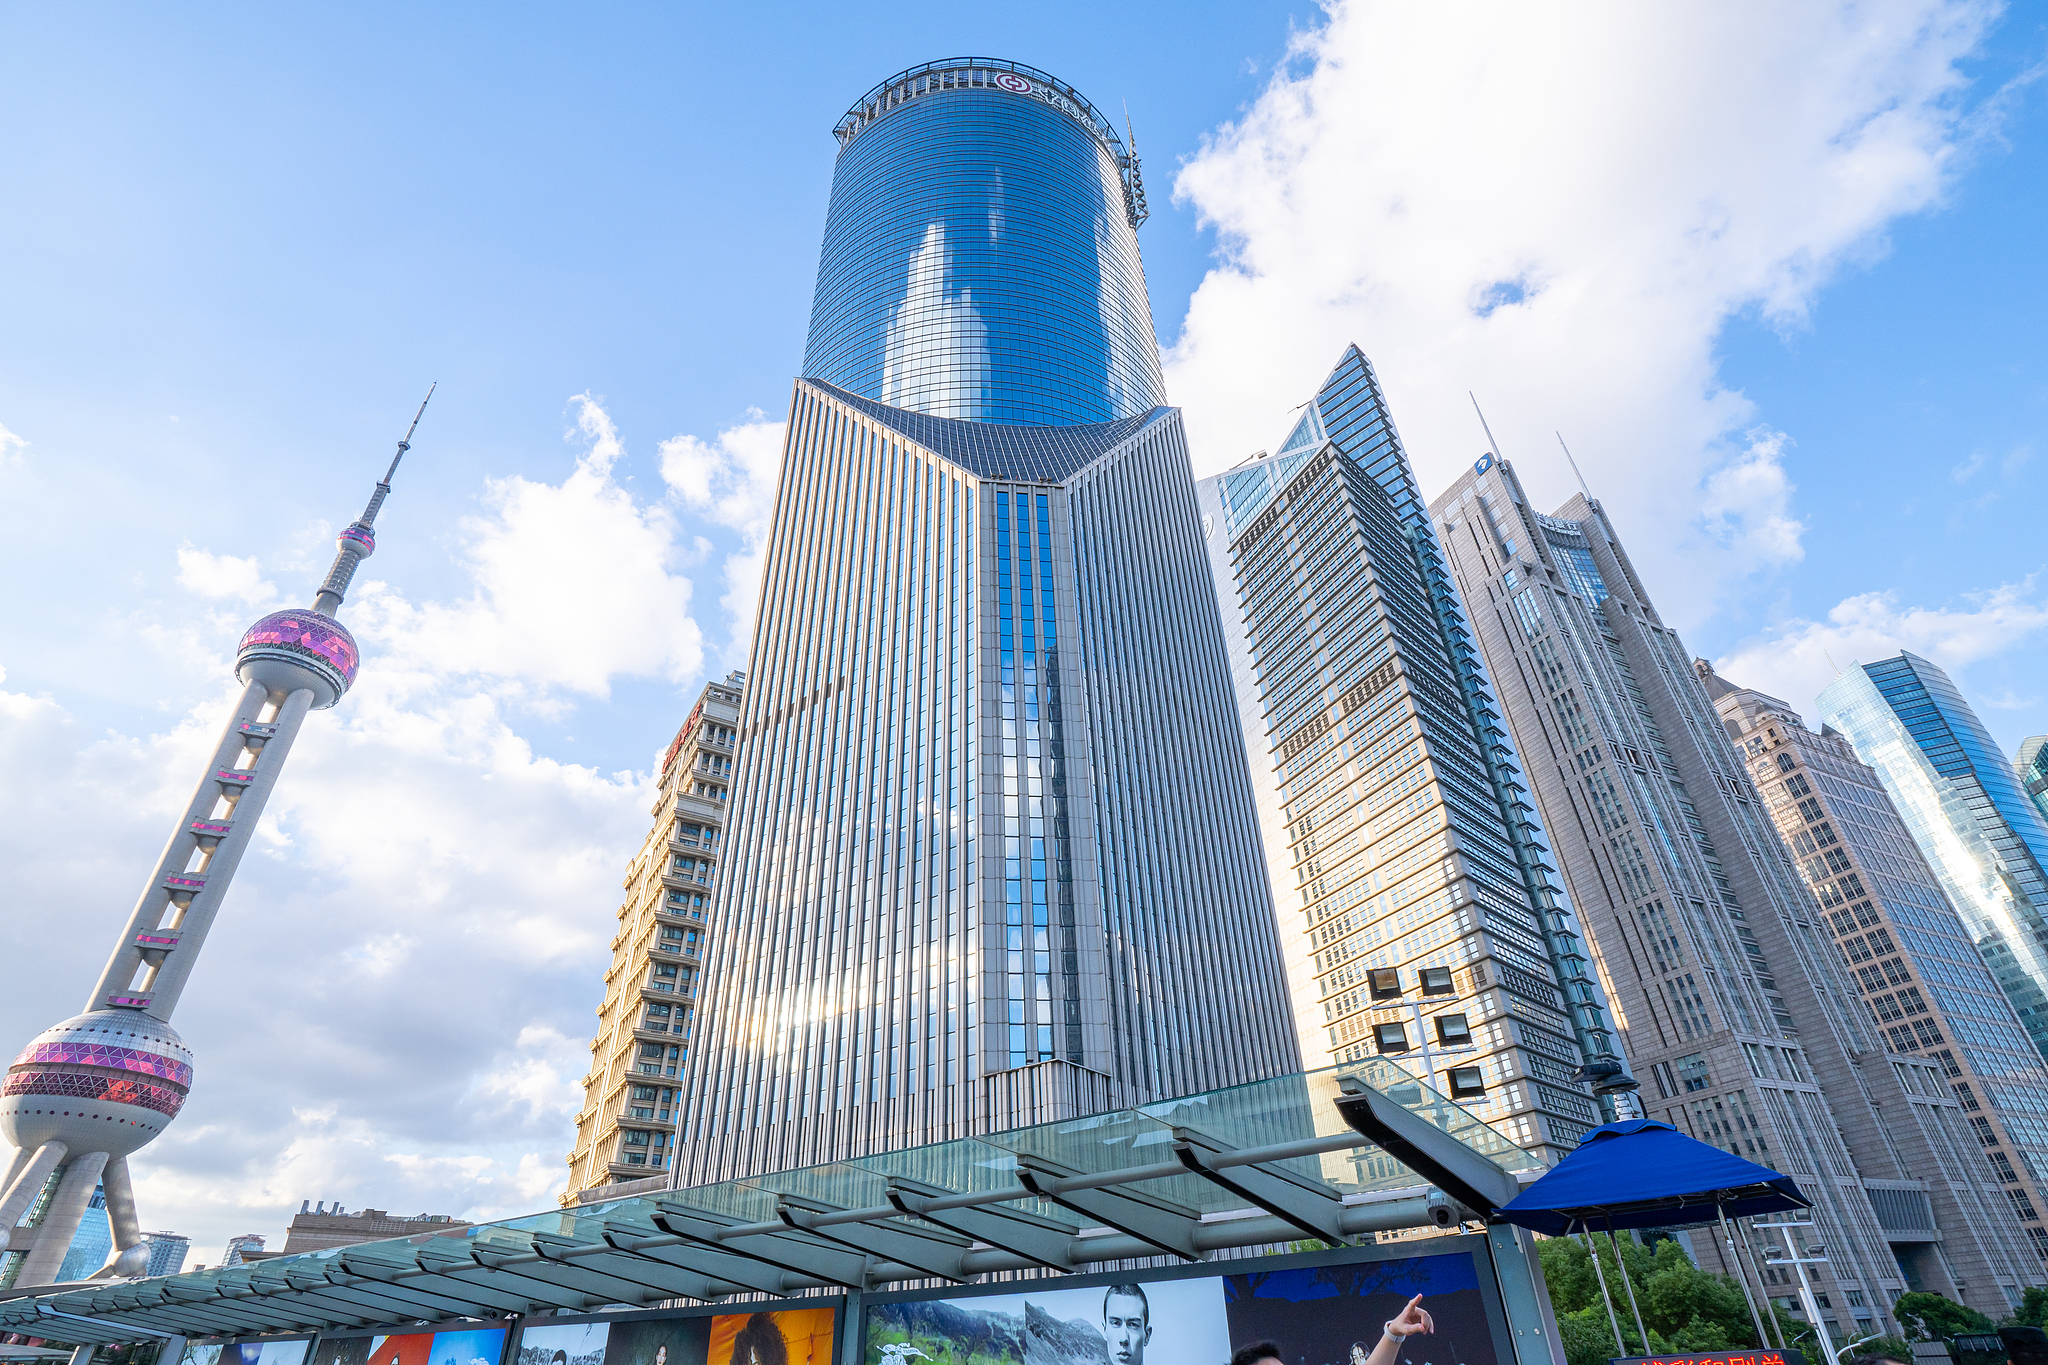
1733 1003
626 1130
1910 957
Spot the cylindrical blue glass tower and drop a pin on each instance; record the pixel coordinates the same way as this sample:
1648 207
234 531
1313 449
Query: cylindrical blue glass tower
981 253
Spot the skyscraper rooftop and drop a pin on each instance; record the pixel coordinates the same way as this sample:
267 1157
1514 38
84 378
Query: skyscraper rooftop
981 253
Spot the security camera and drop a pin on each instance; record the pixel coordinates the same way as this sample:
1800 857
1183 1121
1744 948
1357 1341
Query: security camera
1443 1210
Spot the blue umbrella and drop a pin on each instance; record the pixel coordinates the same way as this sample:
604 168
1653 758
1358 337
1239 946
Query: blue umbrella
1640 1173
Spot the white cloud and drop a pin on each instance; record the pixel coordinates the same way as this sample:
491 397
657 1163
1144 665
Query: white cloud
1745 504
732 483
11 447
1795 660
212 575
1560 207
572 586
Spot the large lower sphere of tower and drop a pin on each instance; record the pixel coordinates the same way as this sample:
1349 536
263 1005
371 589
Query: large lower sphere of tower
108 1081
979 260
290 650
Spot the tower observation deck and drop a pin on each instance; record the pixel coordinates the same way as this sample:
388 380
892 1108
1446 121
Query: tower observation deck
88 1091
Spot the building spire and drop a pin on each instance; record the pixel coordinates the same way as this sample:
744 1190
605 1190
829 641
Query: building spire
356 542
1491 444
1575 468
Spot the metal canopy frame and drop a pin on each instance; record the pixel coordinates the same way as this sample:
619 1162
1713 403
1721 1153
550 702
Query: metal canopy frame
1334 1155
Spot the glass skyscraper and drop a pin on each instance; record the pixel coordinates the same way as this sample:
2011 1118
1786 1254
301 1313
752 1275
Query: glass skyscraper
1419 910
981 253
2031 766
994 859
1967 810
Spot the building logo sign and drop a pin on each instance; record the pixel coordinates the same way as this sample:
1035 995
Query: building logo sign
1014 83
1483 463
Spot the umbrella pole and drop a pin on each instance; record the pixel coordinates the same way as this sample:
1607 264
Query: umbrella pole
1763 1343
1586 1233
1629 1285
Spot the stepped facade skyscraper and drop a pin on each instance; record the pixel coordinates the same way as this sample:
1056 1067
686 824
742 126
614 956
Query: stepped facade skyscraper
1733 1002
88 1091
647 1023
1418 908
994 857
1968 812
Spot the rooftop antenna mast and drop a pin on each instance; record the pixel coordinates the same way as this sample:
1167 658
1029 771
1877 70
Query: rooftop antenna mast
1575 468
1134 185
1491 444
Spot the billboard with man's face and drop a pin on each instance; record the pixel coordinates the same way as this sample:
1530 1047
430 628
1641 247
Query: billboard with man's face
1320 1310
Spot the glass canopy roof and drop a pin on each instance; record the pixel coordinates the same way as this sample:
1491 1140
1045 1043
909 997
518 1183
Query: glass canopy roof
1277 1160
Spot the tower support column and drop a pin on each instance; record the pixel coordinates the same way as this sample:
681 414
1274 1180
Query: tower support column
29 1178
60 1224
131 1254
15 1166
168 983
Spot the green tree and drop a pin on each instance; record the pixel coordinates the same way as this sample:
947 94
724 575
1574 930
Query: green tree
2033 1308
1684 1308
1931 1317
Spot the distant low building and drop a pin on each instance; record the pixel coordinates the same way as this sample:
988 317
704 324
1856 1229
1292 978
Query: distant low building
241 1250
167 1251
317 1228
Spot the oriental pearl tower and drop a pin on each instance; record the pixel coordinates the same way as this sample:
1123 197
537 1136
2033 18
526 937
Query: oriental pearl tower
87 1092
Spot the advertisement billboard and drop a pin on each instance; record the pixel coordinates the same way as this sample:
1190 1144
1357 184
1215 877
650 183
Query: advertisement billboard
248 1351
455 1344
1320 1309
773 1335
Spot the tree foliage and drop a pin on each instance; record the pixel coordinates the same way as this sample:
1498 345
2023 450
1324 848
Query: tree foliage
1930 1317
2033 1311
1684 1308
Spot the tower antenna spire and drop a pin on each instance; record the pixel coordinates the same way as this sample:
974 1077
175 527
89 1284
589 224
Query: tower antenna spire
1575 467
358 539
405 443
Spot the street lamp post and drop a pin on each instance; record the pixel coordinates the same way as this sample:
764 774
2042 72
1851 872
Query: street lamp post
1815 1255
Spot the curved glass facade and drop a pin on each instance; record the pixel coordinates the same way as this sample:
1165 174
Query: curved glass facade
980 260
1966 811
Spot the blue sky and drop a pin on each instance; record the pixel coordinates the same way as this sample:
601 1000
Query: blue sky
1778 278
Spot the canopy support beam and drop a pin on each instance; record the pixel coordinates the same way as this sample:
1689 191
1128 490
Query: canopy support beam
1763 1343
1593 1251
1629 1285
